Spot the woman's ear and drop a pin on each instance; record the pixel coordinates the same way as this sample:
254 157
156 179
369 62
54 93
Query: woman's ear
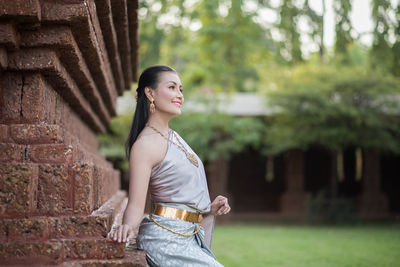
149 93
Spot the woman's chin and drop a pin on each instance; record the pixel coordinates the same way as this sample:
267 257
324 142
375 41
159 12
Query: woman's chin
179 112
175 112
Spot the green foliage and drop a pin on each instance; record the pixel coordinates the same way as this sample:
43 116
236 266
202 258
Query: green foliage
324 209
223 54
343 28
381 53
213 135
290 47
334 107
396 45
112 144
227 45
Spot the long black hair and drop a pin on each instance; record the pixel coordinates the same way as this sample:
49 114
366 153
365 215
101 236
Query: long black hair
148 78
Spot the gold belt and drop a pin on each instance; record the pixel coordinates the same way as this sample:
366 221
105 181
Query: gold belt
174 213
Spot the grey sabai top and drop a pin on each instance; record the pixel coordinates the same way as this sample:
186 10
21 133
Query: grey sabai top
176 180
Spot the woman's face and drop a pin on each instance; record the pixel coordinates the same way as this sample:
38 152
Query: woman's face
168 97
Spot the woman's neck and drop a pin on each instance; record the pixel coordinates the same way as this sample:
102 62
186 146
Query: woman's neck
159 123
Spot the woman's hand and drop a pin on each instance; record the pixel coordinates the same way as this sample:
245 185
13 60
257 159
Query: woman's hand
220 206
122 233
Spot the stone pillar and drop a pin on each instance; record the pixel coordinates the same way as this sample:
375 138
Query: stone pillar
372 202
59 80
294 200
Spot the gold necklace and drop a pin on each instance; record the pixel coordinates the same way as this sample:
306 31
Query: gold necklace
191 157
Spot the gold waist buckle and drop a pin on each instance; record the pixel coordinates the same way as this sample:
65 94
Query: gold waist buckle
174 213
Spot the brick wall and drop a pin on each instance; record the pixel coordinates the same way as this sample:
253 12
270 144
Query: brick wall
62 65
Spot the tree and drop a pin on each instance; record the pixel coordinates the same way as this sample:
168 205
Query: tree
381 54
396 46
343 28
227 44
334 107
150 35
290 48
316 23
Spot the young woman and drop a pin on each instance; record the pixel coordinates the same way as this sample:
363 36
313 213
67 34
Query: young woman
179 228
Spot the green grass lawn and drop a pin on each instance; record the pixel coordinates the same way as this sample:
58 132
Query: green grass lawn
271 245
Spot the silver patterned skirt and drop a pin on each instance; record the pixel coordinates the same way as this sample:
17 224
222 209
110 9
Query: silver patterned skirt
165 248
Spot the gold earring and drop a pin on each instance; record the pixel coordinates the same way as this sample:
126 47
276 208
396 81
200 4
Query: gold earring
152 107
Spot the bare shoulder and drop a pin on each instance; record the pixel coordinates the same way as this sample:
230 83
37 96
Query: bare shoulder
149 147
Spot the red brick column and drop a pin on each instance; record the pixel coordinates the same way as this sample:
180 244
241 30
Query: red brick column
294 200
372 202
59 80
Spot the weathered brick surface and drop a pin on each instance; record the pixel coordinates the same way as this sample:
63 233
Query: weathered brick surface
36 134
26 98
11 152
100 160
9 36
83 188
71 12
21 10
110 38
3 133
133 258
122 26
27 253
80 226
26 229
95 252
97 224
93 249
98 176
18 183
112 205
106 184
10 98
78 134
3 231
62 38
55 190
34 99
80 153
50 153
3 59
58 88
101 48
89 43
47 61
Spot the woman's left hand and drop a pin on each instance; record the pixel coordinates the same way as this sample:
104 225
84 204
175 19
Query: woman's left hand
220 206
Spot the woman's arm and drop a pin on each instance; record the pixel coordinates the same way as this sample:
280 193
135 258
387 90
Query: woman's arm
140 164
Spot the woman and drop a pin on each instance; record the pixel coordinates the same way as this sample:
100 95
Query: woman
179 228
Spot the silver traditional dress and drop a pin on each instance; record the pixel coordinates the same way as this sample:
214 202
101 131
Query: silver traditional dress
176 182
